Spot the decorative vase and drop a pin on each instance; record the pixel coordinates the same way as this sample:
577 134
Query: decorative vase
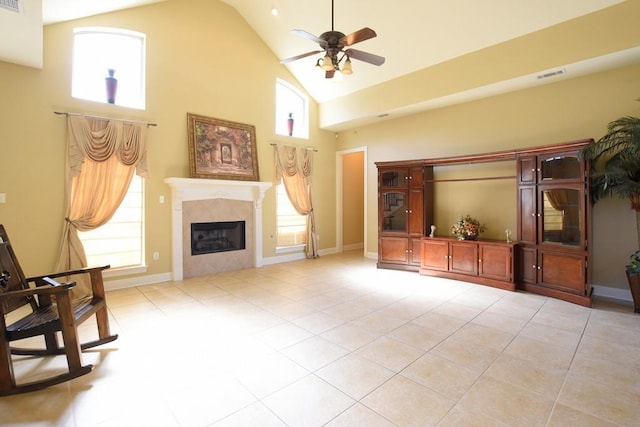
290 124
634 286
469 237
112 87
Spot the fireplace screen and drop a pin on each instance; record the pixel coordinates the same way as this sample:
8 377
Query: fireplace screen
210 237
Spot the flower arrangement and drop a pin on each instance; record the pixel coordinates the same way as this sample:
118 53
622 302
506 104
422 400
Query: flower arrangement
634 263
467 228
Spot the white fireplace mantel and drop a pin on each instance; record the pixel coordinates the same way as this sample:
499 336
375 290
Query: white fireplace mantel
189 189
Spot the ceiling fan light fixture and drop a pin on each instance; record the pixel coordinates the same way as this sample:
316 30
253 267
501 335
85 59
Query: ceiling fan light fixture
346 68
327 63
337 58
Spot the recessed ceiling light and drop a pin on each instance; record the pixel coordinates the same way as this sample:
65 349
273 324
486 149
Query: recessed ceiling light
274 11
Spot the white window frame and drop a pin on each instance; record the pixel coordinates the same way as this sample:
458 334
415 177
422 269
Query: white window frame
98 49
291 100
127 222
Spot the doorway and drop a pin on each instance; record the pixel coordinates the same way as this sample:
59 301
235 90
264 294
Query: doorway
351 216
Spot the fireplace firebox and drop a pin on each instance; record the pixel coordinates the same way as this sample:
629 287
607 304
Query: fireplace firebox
211 237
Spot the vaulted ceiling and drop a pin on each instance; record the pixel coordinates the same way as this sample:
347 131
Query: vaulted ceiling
415 36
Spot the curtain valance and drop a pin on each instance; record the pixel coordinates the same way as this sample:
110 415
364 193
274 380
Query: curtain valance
99 140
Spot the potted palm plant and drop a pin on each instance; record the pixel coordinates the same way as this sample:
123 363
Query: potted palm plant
615 171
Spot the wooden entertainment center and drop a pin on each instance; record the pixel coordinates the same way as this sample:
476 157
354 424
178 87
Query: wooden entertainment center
551 253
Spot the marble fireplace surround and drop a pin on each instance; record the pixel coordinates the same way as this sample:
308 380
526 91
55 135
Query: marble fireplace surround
184 190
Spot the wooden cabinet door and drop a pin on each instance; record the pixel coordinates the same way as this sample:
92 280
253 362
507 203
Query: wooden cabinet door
393 249
527 215
527 172
527 264
415 212
416 176
463 257
435 254
414 251
563 271
494 262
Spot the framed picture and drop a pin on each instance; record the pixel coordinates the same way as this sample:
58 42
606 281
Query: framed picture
221 149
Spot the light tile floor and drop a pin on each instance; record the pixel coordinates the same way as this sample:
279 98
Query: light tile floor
335 341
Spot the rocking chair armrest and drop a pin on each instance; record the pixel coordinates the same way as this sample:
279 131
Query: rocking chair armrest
85 270
52 288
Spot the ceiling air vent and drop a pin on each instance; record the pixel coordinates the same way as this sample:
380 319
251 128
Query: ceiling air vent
12 5
551 74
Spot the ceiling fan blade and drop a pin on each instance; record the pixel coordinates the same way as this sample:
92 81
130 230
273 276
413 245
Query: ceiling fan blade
329 74
361 35
306 35
303 55
365 56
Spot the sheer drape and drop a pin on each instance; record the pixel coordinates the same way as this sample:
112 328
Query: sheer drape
102 156
294 167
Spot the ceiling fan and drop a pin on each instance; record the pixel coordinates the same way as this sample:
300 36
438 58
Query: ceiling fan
333 44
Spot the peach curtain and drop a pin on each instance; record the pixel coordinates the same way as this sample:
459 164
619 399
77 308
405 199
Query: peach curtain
294 167
102 156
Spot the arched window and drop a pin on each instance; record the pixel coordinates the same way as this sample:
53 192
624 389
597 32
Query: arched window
290 102
96 50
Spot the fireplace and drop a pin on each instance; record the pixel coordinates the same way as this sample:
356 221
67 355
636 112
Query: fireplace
196 200
221 236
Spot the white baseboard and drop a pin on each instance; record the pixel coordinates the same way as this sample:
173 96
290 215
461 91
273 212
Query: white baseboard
613 293
353 246
329 251
132 282
283 258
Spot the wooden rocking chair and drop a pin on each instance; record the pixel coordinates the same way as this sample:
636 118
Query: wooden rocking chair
52 310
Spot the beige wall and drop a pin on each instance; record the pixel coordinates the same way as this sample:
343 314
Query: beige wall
202 58
565 111
353 199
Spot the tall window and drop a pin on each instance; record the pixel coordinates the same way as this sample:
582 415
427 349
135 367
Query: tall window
291 225
119 242
290 102
96 50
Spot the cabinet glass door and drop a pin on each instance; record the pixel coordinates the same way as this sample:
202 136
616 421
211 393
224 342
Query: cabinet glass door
561 216
561 166
394 211
394 178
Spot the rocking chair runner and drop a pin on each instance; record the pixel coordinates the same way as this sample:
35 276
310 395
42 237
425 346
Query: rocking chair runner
52 311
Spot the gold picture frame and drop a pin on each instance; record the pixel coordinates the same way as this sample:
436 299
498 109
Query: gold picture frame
220 149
